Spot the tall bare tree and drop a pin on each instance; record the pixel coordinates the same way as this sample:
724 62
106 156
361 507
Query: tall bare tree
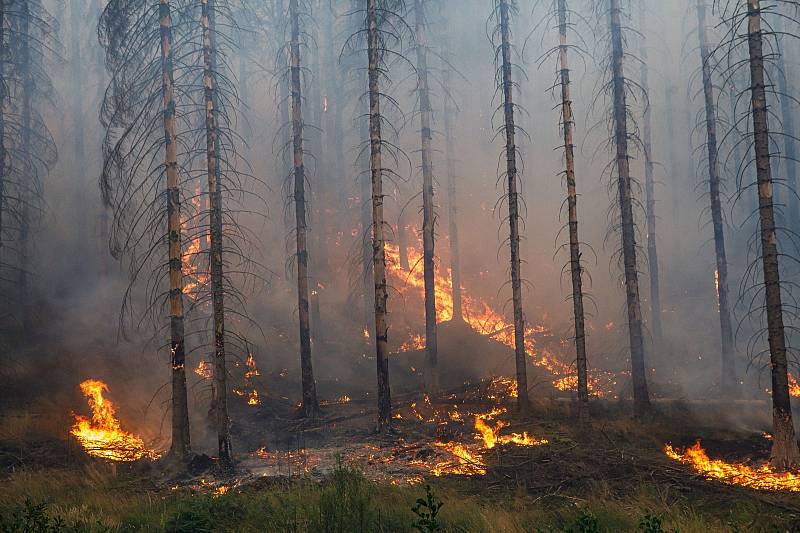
619 87
428 214
375 44
649 183
785 452
728 369
310 405
503 10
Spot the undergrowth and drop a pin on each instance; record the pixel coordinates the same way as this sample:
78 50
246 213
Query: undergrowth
346 502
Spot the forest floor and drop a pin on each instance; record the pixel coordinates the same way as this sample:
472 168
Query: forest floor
609 475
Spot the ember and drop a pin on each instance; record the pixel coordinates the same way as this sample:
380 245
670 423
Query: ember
760 478
101 435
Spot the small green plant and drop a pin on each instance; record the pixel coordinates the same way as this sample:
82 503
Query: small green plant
33 517
650 524
585 523
427 510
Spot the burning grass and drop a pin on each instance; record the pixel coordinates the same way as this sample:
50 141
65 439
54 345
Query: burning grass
101 435
755 477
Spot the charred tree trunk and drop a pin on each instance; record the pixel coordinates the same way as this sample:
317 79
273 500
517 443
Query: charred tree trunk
641 398
572 205
3 97
649 189
728 369
367 275
310 406
378 241
513 205
428 214
215 197
452 197
785 452
180 410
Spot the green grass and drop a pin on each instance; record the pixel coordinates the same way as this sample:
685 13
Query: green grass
93 500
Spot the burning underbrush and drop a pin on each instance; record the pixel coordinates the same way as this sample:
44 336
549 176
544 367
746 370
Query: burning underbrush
101 435
453 433
756 476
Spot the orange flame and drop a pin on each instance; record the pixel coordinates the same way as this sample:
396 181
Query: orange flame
760 478
101 435
479 315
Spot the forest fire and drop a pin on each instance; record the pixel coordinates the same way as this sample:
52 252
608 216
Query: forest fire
760 478
101 435
480 316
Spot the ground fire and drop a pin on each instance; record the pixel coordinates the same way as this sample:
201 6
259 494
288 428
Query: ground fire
101 434
761 477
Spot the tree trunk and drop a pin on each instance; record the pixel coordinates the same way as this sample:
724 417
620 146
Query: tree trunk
452 197
572 205
428 215
310 406
3 96
180 411
641 399
378 242
785 452
649 188
728 381
513 207
215 196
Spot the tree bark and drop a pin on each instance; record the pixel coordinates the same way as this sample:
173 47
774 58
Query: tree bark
649 188
211 99
180 411
513 206
310 407
728 369
576 268
452 195
428 214
378 241
641 399
785 452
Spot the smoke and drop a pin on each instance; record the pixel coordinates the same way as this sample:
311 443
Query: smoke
78 287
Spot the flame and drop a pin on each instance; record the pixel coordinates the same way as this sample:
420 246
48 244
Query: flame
760 478
794 387
101 435
194 277
252 369
365 333
491 437
253 399
203 370
479 315
465 461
